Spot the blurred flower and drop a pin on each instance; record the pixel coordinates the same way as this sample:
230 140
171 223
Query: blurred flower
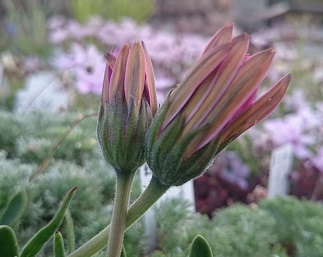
128 104
290 130
212 106
317 160
296 100
87 65
171 53
233 170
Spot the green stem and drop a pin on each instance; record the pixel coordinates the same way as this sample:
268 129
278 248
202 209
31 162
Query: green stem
152 193
119 214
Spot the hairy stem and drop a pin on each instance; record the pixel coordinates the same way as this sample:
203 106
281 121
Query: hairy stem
119 214
152 193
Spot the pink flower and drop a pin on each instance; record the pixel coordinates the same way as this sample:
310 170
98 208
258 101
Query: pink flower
213 105
128 104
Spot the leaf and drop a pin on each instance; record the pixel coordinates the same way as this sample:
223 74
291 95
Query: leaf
8 242
59 250
70 231
123 252
15 209
37 242
200 247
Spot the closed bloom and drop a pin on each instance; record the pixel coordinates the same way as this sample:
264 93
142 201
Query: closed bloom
128 104
213 105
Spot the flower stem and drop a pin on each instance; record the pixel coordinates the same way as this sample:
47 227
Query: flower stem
119 214
152 193
147 199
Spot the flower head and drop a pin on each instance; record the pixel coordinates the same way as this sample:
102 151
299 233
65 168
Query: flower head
213 105
128 104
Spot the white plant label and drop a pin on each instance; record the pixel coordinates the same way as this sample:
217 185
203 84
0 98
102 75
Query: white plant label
280 168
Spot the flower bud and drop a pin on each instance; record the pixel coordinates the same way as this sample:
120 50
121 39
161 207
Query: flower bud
213 105
128 104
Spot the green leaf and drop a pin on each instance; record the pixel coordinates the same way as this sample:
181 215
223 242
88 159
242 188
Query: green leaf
59 250
15 209
123 252
200 247
8 242
37 242
70 234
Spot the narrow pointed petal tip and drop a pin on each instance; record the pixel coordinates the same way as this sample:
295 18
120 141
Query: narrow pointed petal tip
128 104
223 36
134 75
255 113
150 80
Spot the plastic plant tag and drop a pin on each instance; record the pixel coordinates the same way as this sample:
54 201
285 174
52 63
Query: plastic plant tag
280 167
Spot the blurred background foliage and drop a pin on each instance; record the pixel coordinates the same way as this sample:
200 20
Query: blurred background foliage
138 10
23 27
45 154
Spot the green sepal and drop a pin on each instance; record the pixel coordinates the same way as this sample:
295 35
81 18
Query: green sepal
36 243
59 250
8 242
166 154
156 124
159 148
15 209
200 247
196 164
121 131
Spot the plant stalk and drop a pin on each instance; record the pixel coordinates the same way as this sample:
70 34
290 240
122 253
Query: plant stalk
119 214
152 193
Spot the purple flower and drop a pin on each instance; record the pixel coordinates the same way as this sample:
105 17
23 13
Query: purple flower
290 129
317 160
87 64
215 102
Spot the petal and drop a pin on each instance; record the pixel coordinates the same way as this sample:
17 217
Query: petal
107 76
111 59
199 72
242 87
117 77
198 107
150 81
135 75
223 36
106 84
255 112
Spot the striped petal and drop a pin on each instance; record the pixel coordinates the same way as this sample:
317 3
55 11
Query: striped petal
198 110
198 73
242 87
134 75
117 76
256 112
150 81
223 36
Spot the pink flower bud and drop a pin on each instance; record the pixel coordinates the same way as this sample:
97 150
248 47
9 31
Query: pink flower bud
128 104
214 104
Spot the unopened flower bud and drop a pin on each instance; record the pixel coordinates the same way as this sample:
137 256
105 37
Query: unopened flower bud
213 105
128 104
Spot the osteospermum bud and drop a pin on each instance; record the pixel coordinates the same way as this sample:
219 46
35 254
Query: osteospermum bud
213 105
128 104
